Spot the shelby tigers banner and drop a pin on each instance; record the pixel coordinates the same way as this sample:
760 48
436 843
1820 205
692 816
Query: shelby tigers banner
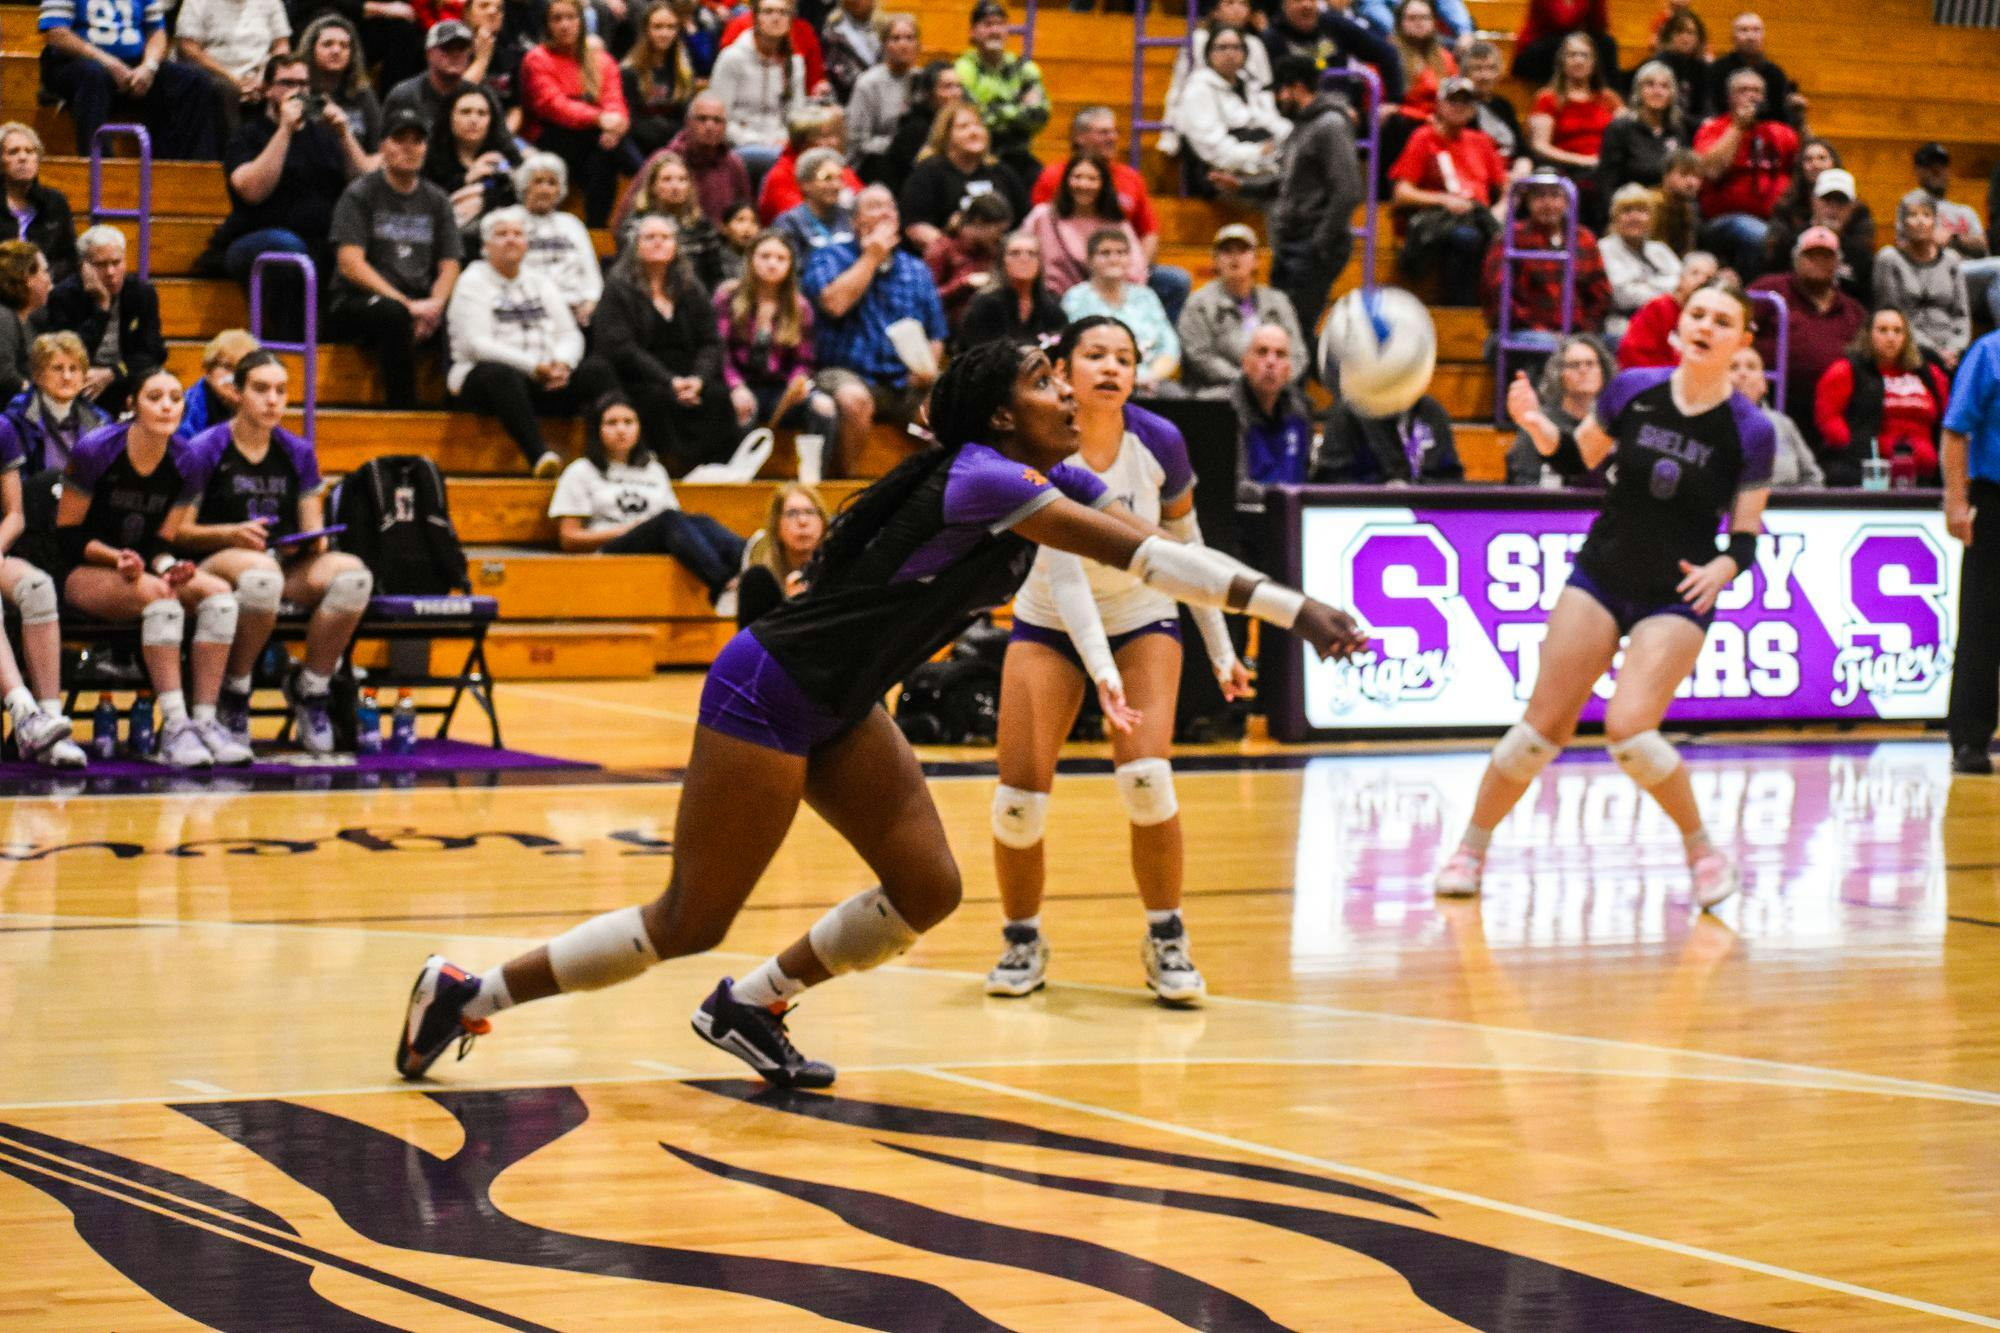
1849 613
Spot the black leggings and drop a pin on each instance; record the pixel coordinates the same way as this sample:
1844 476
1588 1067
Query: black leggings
385 327
518 403
711 552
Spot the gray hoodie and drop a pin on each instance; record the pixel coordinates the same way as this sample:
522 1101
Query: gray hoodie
1931 296
1319 181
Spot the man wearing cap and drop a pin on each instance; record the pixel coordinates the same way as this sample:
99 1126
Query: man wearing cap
1958 226
1835 205
1536 292
397 249
1216 325
1093 132
447 53
1821 321
1319 184
1447 182
229 40
1007 89
1970 454
1748 162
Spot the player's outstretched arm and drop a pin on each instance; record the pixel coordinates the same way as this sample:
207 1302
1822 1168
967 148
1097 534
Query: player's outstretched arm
1192 574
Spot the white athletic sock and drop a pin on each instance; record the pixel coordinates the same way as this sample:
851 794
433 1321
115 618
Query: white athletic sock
768 987
493 995
1154 918
173 706
20 704
53 707
204 712
1697 844
1476 839
311 682
1033 923
238 684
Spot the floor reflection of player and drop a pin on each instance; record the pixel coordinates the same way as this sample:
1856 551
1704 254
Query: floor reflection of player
1686 447
792 712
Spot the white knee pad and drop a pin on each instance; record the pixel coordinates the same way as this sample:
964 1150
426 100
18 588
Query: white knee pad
1523 753
258 591
1647 758
863 932
603 951
215 619
349 592
1147 788
1019 816
35 595
162 623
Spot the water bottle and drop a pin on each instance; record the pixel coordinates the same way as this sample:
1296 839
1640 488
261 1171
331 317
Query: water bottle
368 724
139 726
104 729
403 727
1902 468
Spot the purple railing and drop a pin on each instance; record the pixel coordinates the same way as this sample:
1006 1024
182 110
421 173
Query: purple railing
1025 30
307 350
1141 43
1781 342
143 214
1506 340
1366 147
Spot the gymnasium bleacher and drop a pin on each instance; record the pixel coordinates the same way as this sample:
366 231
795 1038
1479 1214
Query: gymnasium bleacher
1881 79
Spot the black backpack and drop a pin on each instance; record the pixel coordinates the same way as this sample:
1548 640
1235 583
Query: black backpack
956 701
399 523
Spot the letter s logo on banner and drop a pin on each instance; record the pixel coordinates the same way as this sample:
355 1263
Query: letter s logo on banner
1897 640
1398 577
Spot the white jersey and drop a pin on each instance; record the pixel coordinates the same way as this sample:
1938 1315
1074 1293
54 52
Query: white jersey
1150 471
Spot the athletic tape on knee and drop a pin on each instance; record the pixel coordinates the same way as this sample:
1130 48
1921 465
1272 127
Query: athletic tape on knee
162 623
1147 788
349 592
258 591
35 595
863 932
603 951
215 619
1019 816
1647 758
1523 753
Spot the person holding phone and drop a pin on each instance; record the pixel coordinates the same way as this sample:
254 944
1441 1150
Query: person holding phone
254 529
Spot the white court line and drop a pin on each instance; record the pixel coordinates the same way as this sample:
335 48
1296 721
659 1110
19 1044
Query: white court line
197 1085
1473 1200
607 705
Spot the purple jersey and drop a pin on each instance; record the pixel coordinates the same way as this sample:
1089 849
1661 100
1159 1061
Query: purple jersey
12 454
239 490
1163 439
128 507
948 553
1672 477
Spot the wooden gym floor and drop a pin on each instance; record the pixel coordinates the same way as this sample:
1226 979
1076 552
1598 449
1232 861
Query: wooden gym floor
1570 1105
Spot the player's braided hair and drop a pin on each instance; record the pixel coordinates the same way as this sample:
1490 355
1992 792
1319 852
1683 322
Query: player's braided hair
978 383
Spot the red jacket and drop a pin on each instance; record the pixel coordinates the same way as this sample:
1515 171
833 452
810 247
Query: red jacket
1897 407
1553 18
1757 177
430 13
780 190
1538 283
552 91
1648 339
805 45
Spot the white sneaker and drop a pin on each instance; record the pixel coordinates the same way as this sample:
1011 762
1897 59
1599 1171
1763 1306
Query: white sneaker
222 743
1715 878
180 746
1460 876
1170 973
63 754
37 732
1023 969
548 465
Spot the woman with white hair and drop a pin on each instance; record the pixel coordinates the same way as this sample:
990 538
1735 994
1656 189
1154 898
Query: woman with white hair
559 245
513 340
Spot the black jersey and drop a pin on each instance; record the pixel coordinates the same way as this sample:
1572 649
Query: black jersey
126 507
946 555
239 490
1673 477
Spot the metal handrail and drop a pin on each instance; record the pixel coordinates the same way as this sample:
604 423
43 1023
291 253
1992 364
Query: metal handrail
1367 147
1025 30
1781 342
143 214
309 349
1505 340
1141 43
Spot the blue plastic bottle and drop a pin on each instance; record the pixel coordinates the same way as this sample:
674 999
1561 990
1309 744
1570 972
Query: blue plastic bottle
104 729
139 727
403 727
368 724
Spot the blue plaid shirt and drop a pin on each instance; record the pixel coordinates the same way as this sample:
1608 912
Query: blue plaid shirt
859 340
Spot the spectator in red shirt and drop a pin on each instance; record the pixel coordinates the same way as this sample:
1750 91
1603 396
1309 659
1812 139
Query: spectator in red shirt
1567 122
1093 132
1447 181
1821 320
1883 390
815 127
1545 25
1538 283
574 106
1649 338
1748 163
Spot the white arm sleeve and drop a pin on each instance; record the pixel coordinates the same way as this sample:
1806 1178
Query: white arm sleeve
1201 577
1070 586
1214 630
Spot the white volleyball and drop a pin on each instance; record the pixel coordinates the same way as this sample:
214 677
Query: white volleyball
1381 348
